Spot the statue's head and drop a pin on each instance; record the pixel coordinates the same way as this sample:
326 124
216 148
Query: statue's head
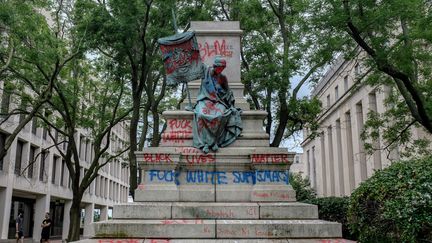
219 64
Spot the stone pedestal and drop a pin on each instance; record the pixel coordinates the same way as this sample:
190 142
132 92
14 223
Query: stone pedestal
248 170
220 39
239 192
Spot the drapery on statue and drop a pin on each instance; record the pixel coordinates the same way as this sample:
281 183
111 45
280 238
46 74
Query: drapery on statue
217 122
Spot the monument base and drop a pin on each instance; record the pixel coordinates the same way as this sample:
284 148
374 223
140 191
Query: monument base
217 221
239 194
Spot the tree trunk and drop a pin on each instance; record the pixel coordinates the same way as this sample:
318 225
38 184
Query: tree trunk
133 144
283 119
156 135
75 217
144 127
269 110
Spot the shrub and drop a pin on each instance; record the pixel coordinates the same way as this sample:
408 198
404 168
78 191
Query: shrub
334 209
302 187
395 204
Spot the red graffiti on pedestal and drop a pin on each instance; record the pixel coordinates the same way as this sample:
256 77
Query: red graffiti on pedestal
252 211
269 158
181 221
178 131
180 124
279 195
195 156
176 137
157 158
219 213
159 241
119 241
217 48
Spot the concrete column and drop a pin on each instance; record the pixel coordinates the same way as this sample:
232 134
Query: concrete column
339 171
313 167
381 108
88 220
358 148
42 206
104 213
322 169
347 155
66 219
306 163
336 167
329 162
5 207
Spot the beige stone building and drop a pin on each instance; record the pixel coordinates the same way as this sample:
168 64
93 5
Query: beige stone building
335 161
298 166
44 186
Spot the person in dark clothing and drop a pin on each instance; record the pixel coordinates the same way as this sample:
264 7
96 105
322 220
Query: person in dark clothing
46 228
19 225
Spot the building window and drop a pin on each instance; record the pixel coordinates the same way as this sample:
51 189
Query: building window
31 162
65 144
45 133
62 172
346 83
23 107
54 169
81 147
42 165
87 151
2 144
18 157
6 97
34 125
55 136
328 101
336 93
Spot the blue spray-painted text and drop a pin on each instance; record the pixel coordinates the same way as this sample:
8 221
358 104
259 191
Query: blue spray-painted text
220 177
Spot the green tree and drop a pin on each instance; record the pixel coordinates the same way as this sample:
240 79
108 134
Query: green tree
89 100
280 47
302 187
127 33
43 65
396 38
32 57
394 205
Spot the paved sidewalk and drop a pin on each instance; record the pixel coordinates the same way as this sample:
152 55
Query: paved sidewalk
30 240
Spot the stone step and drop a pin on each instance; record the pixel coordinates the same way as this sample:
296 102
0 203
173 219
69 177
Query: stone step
217 229
160 240
269 229
190 210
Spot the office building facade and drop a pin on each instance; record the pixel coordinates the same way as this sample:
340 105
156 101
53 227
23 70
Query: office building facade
43 184
336 161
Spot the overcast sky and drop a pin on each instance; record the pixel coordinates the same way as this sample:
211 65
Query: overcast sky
293 143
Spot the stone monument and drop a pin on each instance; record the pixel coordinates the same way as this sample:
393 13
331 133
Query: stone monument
239 192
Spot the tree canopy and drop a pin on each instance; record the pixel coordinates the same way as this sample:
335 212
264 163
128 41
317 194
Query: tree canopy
396 38
49 77
94 63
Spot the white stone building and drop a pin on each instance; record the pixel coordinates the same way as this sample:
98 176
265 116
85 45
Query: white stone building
298 166
45 186
335 161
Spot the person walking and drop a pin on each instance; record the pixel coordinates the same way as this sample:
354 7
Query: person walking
19 225
46 228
